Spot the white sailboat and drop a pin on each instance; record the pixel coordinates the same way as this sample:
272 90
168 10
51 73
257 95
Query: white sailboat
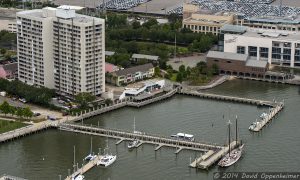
91 156
76 175
107 159
134 143
234 155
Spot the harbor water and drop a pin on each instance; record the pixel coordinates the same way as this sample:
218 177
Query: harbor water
48 154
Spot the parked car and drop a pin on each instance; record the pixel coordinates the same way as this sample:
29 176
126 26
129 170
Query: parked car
3 93
36 114
50 117
23 100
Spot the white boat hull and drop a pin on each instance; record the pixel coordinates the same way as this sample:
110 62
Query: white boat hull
233 157
111 160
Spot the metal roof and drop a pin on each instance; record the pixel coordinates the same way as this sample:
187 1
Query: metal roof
140 68
227 56
256 63
144 56
233 28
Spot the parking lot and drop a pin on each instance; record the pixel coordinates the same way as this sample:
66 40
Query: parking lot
190 61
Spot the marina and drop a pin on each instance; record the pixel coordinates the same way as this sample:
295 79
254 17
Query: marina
163 156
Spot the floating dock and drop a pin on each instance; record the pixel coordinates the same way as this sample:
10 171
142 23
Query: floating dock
211 157
85 167
269 117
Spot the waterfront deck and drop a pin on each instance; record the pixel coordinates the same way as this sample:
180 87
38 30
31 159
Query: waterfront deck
9 177
211 157
274 111
85 167
25 131
157 140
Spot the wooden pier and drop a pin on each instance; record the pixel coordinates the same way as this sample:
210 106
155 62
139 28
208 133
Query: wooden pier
212 156
229 98
274 111
85 167
144 138
121 104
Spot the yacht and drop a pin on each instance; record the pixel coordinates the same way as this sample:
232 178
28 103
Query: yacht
183 136
253 125
133 144
91 156
233 155
78 177
107 160
263 115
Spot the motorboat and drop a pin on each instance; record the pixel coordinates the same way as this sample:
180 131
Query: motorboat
253 125
183 136
133 144
107 160
263 115
90 157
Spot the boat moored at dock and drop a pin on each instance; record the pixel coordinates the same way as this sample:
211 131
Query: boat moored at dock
233 155
184 137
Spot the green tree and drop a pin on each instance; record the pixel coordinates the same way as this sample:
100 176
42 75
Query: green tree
108 101
179 77
182 68
20 112
5 108
136 24
151 22
3 51
157 71
27 112
84 98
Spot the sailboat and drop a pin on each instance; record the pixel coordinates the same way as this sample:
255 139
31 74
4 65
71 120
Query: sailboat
134 143
91 156
107 159
233 155
76 175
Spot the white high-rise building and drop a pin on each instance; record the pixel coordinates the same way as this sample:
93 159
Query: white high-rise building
62 50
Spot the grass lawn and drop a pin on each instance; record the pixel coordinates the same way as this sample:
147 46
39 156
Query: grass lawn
6 126
174 76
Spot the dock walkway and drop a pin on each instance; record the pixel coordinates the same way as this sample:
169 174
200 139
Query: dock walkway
211 157
85 167
269 117
143 138
229 98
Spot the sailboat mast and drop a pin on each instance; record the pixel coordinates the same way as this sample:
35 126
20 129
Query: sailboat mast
133 124
74 164
229 136
236 130
91 145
